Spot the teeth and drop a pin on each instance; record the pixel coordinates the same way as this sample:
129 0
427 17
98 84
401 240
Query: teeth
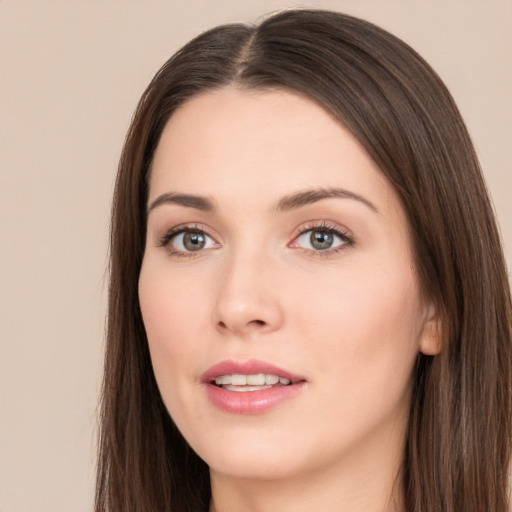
223 379
259 379
256 380
230 387
271 379
239 380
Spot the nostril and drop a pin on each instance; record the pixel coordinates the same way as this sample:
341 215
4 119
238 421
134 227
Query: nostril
243 327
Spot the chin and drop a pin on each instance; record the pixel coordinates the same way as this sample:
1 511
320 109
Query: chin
251 466
259 458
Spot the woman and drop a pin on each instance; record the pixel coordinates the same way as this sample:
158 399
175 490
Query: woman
309 304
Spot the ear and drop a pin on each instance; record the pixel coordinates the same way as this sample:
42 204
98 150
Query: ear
431 335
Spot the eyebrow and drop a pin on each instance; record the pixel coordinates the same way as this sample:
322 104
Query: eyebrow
187 200
306 197
287 203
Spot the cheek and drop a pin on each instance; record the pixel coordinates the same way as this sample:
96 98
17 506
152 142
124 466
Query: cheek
173 326
367 323
362 333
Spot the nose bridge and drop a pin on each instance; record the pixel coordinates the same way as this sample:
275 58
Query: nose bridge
246 299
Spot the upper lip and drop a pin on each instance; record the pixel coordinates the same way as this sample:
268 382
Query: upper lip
249 367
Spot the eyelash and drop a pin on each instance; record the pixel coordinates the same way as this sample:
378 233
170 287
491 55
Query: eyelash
324 227
178 230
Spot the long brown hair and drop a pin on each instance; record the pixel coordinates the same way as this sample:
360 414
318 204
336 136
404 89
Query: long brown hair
459 438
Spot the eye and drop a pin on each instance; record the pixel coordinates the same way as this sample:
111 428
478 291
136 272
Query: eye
319 240
191 241
322 239
187 240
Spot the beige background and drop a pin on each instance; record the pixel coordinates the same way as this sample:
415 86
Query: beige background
70 75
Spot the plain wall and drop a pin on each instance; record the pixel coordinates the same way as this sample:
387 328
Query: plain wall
71 73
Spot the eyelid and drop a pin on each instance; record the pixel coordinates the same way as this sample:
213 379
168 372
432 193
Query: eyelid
328 226
321 225
169 235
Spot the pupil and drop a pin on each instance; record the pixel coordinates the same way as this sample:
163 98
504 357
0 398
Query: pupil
321 240
194 241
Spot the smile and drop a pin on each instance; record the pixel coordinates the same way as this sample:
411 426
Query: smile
250 387
254 382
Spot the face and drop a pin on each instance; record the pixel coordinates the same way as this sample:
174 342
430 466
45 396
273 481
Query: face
277 289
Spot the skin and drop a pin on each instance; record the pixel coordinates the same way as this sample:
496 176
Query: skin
350 319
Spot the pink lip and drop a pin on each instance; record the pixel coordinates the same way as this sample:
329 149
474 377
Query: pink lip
250 367
249 402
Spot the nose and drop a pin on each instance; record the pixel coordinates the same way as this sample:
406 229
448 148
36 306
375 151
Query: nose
247 299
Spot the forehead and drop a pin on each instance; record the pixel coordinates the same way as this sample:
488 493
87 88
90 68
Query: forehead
233 142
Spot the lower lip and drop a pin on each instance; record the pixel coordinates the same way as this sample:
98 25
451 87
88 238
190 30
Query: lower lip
251 402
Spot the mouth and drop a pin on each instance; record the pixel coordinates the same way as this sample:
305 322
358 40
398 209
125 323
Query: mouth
250 387
253 382
248 374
